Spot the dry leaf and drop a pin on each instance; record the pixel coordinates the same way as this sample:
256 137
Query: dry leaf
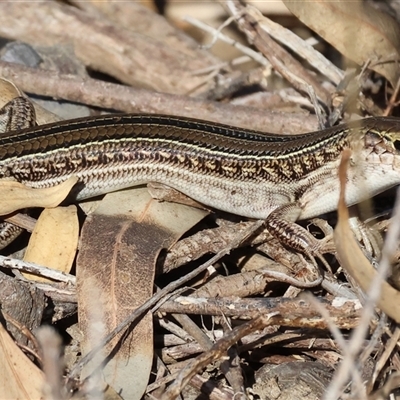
357 265
19 377
16 196
115 273
8 91
357 30
54 240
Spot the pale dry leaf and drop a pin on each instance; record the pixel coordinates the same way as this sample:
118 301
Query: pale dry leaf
119 247
19 377
357 265
16 196
360 32
54 240
8 91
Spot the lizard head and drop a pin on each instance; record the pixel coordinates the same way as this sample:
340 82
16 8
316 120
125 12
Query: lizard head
382 139
375 158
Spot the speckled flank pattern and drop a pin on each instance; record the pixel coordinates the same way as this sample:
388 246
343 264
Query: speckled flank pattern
240 171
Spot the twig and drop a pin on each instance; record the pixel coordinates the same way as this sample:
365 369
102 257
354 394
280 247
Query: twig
13 263
256 56
127 99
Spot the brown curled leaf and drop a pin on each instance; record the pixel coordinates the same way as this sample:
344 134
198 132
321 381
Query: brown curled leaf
353 259
119 247
359 31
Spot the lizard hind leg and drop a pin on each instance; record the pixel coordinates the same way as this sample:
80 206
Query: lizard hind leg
281 223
